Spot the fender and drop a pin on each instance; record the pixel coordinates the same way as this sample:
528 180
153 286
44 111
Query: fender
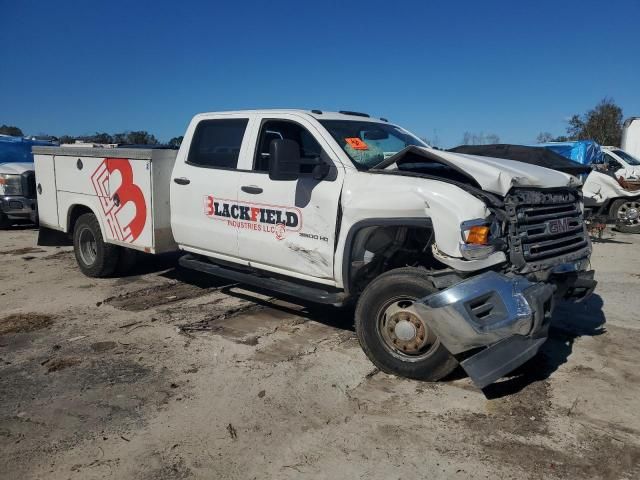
423 222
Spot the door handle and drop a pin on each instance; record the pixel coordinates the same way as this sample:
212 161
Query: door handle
252 189
182 181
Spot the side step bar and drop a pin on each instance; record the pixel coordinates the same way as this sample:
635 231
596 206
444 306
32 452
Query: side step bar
312 294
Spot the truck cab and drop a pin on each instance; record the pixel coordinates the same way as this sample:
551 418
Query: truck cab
621 163
447 257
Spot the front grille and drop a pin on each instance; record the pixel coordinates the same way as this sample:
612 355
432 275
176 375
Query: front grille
545 228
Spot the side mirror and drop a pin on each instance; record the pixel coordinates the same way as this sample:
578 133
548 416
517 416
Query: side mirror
284 160
320 171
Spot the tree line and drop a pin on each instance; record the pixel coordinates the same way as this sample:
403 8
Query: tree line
603 123
137 137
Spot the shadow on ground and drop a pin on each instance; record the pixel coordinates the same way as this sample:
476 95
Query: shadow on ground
570 321
21 226
340 318
609 240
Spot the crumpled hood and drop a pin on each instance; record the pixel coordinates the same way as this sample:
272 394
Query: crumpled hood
495 175
498 175
629 173
17 167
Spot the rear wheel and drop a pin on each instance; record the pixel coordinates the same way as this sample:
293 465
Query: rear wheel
395 337
626 214
95 257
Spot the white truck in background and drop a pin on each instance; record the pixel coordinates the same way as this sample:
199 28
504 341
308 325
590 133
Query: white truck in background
622 163
447 257
612 190
17 180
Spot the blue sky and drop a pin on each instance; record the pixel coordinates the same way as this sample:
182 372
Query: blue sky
437 68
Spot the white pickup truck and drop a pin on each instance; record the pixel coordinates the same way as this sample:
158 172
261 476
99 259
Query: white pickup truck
448 257
612 189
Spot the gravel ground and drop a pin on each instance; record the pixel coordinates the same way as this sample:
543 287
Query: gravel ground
169 375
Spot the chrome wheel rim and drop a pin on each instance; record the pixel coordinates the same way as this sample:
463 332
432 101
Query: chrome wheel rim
629 212
404 334
88 246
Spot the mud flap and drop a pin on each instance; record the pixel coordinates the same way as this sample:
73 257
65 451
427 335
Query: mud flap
501 358
48 237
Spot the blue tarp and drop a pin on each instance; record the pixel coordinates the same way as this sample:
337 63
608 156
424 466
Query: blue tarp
585 152
18 149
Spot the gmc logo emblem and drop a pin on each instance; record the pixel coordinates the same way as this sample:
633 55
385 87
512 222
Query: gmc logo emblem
559 225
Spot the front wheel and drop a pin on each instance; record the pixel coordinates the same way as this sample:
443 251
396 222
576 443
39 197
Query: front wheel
392 333
626 214
95 257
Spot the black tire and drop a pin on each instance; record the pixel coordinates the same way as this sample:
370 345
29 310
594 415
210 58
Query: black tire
616 213
95 259
371 314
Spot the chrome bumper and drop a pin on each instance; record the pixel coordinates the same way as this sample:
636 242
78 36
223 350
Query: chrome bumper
19 208
508 317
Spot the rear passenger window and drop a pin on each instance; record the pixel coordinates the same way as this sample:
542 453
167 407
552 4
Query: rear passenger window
216 143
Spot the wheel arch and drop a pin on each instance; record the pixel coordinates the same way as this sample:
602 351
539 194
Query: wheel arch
610 201
359 228
75 211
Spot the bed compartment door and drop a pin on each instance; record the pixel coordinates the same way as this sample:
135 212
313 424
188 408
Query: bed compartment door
46 191
127 211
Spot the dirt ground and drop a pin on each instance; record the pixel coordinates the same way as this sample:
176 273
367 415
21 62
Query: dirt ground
169 375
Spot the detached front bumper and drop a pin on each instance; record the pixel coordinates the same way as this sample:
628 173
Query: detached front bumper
508 317
19 208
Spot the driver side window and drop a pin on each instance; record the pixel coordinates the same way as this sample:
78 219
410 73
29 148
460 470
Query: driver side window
310 149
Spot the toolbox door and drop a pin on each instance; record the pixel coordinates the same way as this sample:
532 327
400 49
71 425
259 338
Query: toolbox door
46 190
127 210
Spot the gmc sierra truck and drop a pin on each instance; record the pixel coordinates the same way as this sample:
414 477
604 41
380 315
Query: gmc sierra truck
448 258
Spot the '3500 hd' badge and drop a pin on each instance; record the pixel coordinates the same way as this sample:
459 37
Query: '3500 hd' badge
272 219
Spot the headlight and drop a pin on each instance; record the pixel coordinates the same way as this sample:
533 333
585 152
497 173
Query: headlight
10 184
478 238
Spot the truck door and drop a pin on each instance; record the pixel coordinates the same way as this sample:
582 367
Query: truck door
289 224
204 186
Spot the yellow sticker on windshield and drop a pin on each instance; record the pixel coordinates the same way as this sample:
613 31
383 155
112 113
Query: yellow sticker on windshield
356 143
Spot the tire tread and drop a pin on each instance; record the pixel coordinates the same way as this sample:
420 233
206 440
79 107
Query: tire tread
433 368
107 255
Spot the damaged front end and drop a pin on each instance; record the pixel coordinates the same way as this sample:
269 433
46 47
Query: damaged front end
499 319
502 321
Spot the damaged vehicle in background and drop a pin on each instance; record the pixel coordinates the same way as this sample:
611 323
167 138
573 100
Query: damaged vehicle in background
448 257
611 190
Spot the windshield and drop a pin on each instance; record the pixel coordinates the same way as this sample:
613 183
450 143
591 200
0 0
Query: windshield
626 157
369 143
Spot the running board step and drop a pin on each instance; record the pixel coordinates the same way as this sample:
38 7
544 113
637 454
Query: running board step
293 289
